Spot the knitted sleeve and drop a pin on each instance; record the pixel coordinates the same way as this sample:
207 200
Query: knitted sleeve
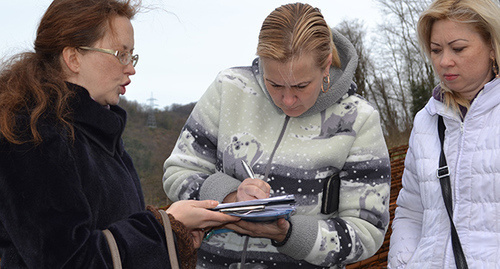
184 242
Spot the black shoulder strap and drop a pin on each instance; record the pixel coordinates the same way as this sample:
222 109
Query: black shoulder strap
444 178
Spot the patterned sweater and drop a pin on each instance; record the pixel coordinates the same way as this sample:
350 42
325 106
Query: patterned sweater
236 120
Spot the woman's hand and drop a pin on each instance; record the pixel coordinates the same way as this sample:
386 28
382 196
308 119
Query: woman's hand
194 214
276 230
249 189
197 236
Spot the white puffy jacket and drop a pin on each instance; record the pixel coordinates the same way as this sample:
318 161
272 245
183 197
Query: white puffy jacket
421 228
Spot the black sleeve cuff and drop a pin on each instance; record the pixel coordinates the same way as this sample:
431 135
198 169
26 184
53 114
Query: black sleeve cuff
282 243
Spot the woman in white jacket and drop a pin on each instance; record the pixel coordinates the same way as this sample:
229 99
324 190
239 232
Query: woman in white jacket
462 39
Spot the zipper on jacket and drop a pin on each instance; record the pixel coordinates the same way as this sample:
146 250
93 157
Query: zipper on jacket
278 142
460 149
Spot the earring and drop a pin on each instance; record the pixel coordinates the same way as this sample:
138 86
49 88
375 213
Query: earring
326 79
495 68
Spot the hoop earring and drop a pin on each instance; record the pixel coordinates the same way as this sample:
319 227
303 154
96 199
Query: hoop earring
326 79
495 68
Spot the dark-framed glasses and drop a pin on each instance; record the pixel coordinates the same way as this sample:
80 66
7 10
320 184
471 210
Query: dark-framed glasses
124 57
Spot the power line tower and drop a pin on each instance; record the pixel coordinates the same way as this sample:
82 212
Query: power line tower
151 113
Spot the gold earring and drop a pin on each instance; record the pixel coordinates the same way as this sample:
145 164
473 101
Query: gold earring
495 68
326 79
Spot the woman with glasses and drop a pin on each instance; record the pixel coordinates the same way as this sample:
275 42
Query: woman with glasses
64 174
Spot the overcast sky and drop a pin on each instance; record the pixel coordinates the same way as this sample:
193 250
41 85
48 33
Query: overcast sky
182 44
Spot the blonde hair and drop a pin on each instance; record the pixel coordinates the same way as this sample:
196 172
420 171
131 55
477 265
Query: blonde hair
482 15
295 29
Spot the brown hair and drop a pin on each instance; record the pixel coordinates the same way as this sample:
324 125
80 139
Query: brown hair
482 15
295 29
34 82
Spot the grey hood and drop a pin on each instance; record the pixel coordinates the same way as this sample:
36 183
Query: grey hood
341 79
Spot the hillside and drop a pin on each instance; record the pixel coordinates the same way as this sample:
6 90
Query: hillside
149 147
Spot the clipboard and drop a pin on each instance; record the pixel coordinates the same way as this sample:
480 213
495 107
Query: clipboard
268 209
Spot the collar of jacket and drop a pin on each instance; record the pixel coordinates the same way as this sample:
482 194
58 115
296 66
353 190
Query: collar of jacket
485 99
102 125
341 79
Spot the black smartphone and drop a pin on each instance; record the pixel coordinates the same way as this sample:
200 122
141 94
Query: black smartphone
331 193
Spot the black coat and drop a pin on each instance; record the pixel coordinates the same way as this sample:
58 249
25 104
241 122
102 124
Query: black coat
55 198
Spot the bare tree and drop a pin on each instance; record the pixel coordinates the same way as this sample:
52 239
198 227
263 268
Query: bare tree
407 76
392 73
371 80
356 32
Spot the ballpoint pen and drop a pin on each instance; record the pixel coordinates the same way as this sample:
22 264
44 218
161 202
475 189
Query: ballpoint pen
248 169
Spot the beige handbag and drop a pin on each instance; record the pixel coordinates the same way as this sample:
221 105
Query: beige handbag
172 253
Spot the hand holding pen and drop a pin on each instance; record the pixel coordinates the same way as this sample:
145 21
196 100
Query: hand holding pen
250 189
258 189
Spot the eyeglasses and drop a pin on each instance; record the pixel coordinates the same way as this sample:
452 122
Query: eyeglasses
124 57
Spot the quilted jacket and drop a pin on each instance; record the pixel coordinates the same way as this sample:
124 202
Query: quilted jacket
421 228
